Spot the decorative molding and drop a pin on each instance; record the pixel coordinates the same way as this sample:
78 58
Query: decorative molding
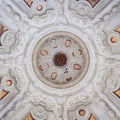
24 28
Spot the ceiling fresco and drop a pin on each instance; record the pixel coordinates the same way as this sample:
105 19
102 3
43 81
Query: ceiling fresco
59 59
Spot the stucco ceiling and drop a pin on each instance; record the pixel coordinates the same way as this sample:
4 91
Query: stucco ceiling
59 59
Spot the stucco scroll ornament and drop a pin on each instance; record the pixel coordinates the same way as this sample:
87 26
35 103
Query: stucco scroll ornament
20 44
7 40
82 7
73 101
101 45
113 82
60 7
13 43
84 23
44 20
22 81
60 10
58 112
106 76
44 100
102 71
50 104
39 113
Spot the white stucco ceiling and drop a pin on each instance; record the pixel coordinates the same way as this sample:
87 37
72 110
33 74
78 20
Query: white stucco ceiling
59 59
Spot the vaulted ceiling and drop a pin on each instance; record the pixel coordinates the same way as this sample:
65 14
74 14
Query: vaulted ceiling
59 59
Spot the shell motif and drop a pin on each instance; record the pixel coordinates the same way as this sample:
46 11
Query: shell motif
44 52
53 43
73 54
79 51
68 43
69 78
77 66
41 68
53 75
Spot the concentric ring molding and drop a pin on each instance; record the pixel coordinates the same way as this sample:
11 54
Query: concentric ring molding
40 59
52 90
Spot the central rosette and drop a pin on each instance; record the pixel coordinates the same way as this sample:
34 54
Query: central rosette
60 59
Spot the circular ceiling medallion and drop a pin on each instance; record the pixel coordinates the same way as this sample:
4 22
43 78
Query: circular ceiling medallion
60 59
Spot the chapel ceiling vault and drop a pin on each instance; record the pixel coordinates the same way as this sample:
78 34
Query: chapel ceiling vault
59 59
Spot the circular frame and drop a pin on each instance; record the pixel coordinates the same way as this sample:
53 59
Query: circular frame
78 78
54 91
